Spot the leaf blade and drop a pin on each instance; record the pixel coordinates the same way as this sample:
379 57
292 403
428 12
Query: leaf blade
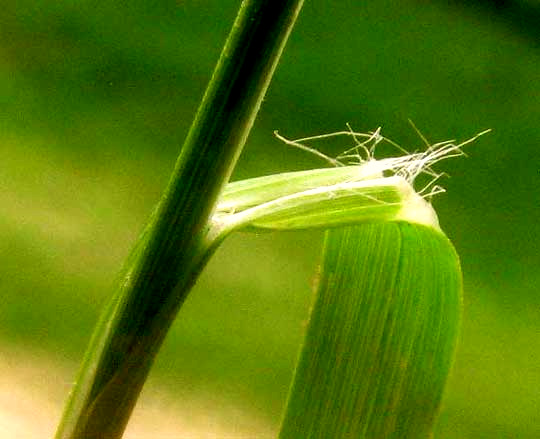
381 336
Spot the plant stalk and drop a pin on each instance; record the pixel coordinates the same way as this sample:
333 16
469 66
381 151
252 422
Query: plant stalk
174 248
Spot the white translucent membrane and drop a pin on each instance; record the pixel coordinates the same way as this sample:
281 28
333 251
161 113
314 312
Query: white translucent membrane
357 189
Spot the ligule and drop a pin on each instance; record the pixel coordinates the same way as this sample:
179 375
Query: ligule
326 206
369 190
243 194
381 336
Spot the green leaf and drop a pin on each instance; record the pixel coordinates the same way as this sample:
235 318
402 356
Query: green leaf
381 337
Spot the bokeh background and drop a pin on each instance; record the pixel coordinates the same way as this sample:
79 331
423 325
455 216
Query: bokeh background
95 100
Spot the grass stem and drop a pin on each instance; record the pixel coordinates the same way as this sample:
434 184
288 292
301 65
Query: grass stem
173 249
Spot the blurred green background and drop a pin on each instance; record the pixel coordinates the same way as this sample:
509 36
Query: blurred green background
97 96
